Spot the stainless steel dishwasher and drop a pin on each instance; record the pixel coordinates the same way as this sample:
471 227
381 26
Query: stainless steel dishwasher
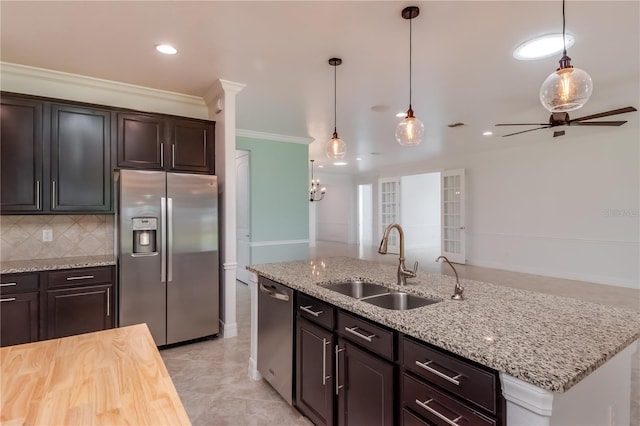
275 336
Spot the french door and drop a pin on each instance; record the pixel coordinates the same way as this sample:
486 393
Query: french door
453 218
389 205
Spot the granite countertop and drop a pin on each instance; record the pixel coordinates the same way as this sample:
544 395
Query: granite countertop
36 265
549 341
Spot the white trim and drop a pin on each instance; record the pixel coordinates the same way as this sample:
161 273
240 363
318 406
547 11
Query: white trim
230 330
228 88
82 80
273 137
526 395
230 265
277 243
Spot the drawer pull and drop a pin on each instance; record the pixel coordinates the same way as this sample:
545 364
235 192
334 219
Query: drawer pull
309 311
453 379
353 331
424 405
324 362
8 284
82 277
8 299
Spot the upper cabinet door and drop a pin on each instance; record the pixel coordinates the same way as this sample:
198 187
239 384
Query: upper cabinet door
192 145
80 159
21 146
141 141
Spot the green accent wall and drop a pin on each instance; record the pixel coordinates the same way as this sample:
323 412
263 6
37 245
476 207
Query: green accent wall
279 204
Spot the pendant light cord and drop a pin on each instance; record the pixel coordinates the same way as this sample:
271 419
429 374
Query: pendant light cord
410 19
335 99
564 43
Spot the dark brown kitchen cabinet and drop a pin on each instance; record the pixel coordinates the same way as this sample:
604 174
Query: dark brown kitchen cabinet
157 142
80 301
20 308
21 145
315 360
56 157
80 160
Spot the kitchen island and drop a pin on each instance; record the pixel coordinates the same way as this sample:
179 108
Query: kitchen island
555 355
108 377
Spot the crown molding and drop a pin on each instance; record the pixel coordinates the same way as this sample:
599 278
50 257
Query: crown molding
273 137
222 86
8 68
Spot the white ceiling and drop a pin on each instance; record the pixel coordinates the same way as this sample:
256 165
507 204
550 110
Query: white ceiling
463 70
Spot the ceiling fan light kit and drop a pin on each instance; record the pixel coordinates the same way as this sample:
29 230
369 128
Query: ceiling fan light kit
410 131
336 148
568 88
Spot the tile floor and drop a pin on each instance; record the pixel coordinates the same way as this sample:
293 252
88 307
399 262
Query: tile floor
212 380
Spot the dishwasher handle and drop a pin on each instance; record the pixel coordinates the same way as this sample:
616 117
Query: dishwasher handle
271 291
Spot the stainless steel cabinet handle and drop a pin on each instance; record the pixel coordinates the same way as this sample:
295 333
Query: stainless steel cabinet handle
53 195
324 362
81 277
337 379
8 299
276 295
353 331
453 379
108 297
173 156
38 195
309 311
163 257
8 284
170 238
161 155
424 405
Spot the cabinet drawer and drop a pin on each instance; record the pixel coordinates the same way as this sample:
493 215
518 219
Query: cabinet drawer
316 311
366 334
437 407
409 419
454 375
14 283
81 276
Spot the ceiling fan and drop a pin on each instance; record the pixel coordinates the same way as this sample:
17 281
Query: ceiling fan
562 119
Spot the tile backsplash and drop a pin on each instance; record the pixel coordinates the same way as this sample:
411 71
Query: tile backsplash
72 235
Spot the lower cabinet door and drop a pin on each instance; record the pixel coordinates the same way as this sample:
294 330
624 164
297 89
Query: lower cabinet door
365 387
314 372
19 318
79 310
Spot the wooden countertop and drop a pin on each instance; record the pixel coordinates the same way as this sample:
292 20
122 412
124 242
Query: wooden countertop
109 377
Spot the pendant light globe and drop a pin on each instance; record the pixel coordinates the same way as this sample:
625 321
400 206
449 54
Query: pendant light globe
335 148
566 89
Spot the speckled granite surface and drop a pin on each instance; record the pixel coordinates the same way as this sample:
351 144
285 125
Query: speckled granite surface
15 266
549 341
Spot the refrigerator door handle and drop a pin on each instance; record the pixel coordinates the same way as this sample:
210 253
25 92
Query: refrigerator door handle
163 257
170 237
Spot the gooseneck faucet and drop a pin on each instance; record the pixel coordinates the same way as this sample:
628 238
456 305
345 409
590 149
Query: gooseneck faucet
457 291
403 274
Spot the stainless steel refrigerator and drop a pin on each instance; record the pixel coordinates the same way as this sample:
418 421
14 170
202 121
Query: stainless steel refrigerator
167 241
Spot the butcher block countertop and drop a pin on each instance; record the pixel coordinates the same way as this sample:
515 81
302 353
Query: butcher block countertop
110 377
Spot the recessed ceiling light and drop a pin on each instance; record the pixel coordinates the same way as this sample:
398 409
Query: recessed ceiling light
340 163
167 49
401 114
358 159
487 133
541 47
320 166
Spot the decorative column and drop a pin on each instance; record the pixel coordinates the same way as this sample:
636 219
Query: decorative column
221 102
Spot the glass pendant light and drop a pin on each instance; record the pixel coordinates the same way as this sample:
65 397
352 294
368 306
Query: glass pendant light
410 130
568 88
336 147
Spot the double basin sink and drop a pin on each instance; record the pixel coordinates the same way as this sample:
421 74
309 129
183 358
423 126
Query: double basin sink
379 295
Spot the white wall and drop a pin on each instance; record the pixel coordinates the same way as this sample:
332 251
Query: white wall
566 207
336 214
420 210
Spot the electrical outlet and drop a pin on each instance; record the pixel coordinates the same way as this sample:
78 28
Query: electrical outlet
47 235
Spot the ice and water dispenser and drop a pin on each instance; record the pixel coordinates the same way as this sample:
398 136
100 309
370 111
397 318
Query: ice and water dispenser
145 230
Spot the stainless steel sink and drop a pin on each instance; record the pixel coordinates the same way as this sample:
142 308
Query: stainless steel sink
400 301
357 289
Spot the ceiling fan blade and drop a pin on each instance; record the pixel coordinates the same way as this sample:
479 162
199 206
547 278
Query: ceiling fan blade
598 123
605 114
521 124
525 131
558 133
